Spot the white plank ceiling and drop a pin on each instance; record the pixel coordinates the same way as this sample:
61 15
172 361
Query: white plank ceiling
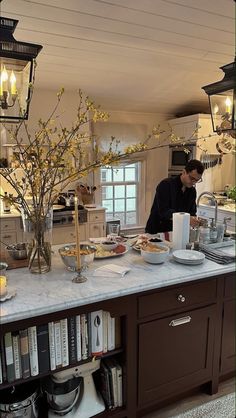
136 55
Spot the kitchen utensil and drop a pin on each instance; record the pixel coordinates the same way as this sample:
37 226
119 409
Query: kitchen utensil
97 322
20 401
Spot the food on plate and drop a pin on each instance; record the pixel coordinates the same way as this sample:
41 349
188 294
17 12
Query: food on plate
152 248
73 252
101 252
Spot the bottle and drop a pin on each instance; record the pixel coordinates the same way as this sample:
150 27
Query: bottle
213 231
6 204
204 236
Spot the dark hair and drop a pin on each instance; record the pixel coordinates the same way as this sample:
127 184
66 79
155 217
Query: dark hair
194 165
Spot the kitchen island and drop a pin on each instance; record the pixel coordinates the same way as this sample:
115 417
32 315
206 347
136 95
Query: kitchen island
177 321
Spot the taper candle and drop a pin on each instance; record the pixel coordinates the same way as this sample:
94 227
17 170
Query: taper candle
77 234
3 285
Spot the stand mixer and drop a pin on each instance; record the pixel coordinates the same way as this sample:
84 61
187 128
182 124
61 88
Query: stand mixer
67 397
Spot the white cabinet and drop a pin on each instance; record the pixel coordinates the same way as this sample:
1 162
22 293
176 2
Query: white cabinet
10 231
66 234
209 212
96 223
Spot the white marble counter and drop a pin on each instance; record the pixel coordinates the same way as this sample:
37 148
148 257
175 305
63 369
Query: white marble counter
54 291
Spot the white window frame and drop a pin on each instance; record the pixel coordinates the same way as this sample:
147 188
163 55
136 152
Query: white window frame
141 194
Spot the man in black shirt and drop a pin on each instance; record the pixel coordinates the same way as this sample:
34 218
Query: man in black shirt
176 194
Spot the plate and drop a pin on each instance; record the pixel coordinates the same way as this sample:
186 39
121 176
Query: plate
121 249
90 206
10 294
190 257
57 207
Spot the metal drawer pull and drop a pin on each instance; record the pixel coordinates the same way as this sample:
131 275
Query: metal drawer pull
180 321
181 298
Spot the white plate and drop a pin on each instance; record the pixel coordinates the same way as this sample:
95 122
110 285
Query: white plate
190 257
90 206
126 249
10 294
57 207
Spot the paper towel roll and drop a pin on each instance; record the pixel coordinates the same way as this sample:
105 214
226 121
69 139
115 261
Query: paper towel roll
181 229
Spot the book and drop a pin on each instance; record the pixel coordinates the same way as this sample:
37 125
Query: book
117 332
89 337
57 333
3 359
105 330
84 336
64 343
112 371
78 338
96 324
72 339
9 357
24 352
16 354
52 351
1 378
33 351
119 382
43 348
111 332
104 385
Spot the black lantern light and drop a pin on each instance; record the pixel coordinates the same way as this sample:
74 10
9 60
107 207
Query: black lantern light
16 72
222 99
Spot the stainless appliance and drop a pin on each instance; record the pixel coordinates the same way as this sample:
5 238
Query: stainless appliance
20 401
66 216
178 157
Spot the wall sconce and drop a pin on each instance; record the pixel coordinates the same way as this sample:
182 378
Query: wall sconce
222 100
16 72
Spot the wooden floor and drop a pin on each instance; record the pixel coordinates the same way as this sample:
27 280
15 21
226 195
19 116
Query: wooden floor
187 404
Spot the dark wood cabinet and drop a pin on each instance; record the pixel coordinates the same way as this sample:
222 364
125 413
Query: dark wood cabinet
228 357
175 353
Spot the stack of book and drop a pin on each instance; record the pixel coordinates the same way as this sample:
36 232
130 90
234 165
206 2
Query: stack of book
42 348
111 382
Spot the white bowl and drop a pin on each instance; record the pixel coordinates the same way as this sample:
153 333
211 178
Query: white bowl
152 256
109 245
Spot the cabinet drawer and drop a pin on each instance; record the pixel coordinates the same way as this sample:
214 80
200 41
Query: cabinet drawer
6 224
96 216
229 288
8 237
177 298
66 234
96 230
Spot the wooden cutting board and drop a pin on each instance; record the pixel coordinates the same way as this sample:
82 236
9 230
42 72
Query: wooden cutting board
12 264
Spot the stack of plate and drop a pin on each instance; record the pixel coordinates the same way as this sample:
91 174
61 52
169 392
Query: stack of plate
190 257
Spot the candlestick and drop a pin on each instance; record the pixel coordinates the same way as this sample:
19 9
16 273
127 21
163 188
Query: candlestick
3 285
77 234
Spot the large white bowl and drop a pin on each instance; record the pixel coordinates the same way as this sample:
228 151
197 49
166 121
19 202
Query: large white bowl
154 257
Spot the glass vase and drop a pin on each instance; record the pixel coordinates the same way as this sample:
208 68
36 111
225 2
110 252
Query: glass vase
38 236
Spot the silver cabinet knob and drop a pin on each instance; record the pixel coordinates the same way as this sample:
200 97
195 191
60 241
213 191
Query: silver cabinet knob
181 298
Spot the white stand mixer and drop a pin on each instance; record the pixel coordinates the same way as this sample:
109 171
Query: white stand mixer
87 402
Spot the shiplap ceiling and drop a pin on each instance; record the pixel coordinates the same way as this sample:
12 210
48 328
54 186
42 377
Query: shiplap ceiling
137 55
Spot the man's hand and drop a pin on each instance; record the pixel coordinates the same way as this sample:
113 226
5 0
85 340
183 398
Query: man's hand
194 221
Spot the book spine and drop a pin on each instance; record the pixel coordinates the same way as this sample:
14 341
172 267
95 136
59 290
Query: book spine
51 337
111 333
119 383
3 359
64 343
84 336
97 333
113 382
9 357
57 330
43 348
24 351
105 385
78 338
33 351
1 377
16 355
72 339
105 330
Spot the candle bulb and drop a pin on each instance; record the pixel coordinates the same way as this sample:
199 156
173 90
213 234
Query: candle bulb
228 105
4 79
3 285
77 234
13 83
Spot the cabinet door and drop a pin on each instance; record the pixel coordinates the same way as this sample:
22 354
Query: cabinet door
96 230
228 358
175 353
66 234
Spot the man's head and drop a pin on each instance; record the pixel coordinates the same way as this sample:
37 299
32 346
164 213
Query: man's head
192 173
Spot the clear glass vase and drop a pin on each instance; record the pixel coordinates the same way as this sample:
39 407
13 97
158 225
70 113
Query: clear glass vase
38 236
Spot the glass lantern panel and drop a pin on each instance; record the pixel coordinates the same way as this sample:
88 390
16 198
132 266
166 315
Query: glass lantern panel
14 88
222 110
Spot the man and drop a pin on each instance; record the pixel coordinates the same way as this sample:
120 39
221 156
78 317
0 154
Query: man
176 194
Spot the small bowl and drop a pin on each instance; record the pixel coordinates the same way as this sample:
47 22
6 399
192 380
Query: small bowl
18 251
109 245
154 254
156 241
68 255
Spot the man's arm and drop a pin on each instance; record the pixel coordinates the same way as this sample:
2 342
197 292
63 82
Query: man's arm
163 199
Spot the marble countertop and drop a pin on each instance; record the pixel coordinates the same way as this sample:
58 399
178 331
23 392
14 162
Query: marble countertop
223 208
55 291
15 214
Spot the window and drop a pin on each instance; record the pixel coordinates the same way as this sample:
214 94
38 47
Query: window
120 189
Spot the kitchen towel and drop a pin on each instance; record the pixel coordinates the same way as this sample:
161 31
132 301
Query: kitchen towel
111 270
181 228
